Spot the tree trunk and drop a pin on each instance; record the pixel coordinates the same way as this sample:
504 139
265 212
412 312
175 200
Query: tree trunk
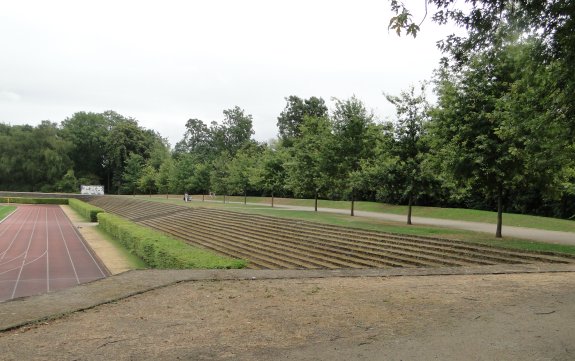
315 201
203 196
272 199
245 197
409 204
224 198
498 232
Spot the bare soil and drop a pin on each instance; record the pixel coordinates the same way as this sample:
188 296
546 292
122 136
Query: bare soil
463 317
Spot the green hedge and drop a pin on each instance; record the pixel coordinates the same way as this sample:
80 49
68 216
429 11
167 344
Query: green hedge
85 209
159 250
21 200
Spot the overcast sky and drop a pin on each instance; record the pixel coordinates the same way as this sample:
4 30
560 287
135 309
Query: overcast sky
163 62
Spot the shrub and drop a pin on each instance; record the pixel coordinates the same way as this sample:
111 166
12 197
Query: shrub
85 209
21 200
159 250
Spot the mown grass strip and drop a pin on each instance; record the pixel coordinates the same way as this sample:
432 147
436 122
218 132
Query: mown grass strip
460 214
84 209
415 230
22 200
161 251
5 211
396 227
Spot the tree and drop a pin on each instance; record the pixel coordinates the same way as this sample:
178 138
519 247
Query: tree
87 133
235 131
311 168
240 169
550 22
68 183
147 180
412 114
200 179
132 173
197 139
354 137
270 173
165 178
292 116
219 175
485 140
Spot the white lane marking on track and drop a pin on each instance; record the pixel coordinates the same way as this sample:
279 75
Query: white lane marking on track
47 257
13 258
25 263
3 254
79 237
24 260
68 251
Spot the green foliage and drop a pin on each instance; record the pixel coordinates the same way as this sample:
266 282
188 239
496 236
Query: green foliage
159 250
165 178
133 171
484 138
147 180
270 172
292 117
87 132
354 136
68 183
87 210
410 147
311 167
32 158
21 200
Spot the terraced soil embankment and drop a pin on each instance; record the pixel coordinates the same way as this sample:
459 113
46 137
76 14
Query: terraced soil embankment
276 243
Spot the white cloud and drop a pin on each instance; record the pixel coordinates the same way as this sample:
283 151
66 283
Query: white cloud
165 62
8 96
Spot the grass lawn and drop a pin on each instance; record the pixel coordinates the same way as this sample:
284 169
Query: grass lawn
417 230
471 215
6 210
263 208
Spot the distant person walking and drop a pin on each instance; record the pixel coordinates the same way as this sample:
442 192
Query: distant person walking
185 197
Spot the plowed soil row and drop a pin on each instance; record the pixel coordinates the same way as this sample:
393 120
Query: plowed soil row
276 243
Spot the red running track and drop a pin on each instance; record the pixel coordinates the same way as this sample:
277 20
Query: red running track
41 251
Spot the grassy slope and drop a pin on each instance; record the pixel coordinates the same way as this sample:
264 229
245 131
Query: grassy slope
383 226
6 210
472 215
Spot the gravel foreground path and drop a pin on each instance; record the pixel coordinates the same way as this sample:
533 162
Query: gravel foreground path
305 315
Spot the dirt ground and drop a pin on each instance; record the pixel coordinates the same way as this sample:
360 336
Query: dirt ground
479 317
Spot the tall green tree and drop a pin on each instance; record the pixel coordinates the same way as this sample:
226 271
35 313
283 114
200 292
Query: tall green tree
412 115
197 139
291 118
270 172
87 132
354 133
147 180
312 167
165 178
486 142
132 173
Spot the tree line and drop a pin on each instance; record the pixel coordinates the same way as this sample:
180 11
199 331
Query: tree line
500 137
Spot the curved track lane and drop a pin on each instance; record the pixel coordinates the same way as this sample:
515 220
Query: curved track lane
41 251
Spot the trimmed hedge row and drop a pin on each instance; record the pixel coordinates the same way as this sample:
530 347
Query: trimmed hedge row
159 250
85 209
21 200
